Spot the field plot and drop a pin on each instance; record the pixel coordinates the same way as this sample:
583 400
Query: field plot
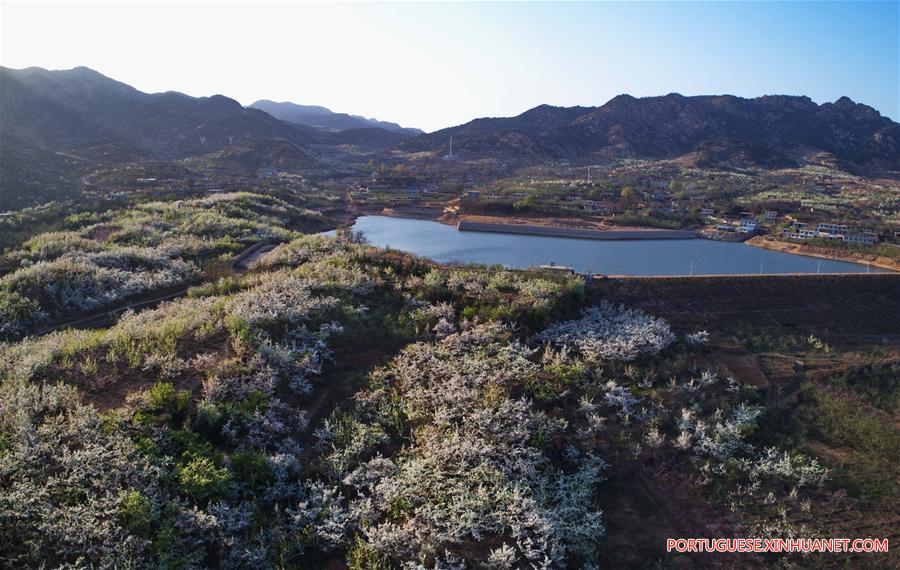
824 352
849 308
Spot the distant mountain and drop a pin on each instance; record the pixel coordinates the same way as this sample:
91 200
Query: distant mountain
705 131
80 108
315 116
57 127
57 124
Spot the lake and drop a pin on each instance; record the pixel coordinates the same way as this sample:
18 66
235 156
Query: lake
445 244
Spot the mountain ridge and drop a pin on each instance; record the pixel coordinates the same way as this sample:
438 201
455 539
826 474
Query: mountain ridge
771 130
56 123
322 117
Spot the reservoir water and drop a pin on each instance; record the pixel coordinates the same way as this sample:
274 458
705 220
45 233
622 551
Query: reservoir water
445 244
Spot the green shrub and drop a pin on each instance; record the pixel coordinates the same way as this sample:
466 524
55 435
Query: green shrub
223 286
257 401
16 312
167 403
190 445
135 511
362 556
252 469
556 378
239 329
877 384
202 480
209 418
872 471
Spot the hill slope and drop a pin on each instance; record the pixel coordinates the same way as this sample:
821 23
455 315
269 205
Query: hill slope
80 107
58 124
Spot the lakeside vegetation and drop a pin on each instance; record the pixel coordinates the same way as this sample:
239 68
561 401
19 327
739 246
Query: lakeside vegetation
882 250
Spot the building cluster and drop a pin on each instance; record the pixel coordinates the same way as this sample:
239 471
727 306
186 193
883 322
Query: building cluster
748 223
803 231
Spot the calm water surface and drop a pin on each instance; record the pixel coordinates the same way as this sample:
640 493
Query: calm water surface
445 244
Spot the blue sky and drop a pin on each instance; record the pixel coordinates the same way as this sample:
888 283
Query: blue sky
436 65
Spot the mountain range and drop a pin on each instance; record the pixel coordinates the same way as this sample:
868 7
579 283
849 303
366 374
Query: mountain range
769 131
57 125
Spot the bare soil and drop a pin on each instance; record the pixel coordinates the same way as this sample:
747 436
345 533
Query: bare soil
849 308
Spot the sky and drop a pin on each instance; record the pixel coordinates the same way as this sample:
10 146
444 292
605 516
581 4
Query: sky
434 65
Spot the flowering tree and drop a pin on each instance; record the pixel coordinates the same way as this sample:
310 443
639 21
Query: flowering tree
471 469
608 332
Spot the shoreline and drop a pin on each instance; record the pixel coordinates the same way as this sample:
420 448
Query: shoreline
564 231
578 233
878 261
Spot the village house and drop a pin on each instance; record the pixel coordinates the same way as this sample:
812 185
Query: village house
834 229
748 226
862 237
807 234
662 211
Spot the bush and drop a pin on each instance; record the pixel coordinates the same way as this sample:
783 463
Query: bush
252 469
147 248
17 312
607 332
167 403
361 556
135 511
201 480
209 419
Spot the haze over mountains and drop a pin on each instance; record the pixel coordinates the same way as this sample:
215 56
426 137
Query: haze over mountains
57 125
321 117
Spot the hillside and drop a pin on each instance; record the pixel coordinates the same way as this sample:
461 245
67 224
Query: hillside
79 107
338 405
323 118
58 124
59 127
769 131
